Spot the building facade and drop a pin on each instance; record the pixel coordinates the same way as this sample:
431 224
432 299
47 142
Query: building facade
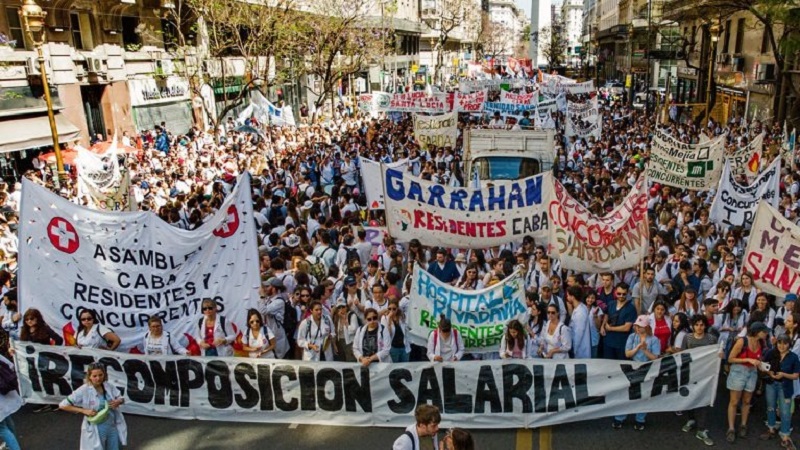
572 18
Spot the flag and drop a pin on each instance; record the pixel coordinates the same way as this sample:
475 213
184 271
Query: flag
754 162
68 331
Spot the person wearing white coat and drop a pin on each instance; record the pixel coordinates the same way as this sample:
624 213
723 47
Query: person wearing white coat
212 331
372 341
395 322
579 324
521 347
444 343
316 335
89 401
9 404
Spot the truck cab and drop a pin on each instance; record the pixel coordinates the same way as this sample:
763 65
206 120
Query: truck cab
508 154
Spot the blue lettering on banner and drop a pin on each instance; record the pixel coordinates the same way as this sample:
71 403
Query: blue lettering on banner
518 194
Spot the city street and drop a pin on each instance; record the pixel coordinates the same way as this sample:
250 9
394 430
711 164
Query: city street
58 430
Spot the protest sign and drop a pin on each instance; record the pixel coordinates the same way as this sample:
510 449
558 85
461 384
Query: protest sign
747 160
507 108
130 266
586 87
735 205
471 102
773 252
494 214
374 102
374 237
687 166
467 86
102 183
479 316
436 131
587 243
372 174
524 98
485 394
583 120
420 101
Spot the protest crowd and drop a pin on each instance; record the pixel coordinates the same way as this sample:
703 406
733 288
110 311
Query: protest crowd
329 291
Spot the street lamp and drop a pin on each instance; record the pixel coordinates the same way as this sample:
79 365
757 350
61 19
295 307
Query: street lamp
33 21
713 31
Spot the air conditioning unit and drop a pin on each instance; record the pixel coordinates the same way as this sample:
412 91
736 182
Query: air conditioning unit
32 66
94 65
738 64
765 72
724 58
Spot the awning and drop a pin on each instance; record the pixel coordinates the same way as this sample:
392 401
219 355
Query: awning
32 132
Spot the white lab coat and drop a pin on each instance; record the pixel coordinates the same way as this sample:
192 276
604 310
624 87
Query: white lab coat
384 343
86 397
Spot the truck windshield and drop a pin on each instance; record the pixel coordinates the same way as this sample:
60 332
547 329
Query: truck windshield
505 167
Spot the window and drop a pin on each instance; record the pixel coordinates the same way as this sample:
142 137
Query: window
15 32
764 41
81 30
129 34
740 24
726 37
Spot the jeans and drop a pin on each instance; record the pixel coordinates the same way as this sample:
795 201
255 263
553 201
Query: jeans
399 355
8 433
109 436
776 400
610 352
639 417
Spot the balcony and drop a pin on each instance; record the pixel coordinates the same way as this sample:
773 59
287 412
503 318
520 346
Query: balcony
27 99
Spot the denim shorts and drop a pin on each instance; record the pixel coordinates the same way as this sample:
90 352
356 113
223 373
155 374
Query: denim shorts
742 378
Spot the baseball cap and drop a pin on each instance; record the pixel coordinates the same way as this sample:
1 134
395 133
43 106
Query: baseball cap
349 280
642 321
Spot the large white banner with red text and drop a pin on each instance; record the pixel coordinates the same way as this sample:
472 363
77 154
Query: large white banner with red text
588 243
773 252
495 214
128 266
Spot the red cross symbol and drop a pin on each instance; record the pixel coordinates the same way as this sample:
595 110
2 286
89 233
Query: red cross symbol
229 225
62 235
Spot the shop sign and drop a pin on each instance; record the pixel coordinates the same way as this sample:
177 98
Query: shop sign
148 91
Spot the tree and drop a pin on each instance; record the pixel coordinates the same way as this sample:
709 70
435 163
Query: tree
449 15
552 43
493 40
336 39
220 39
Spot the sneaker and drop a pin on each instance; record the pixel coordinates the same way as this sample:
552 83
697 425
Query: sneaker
638 426
742 432
617 425
788 444
770 434
703 436
730 436
689 426
678 413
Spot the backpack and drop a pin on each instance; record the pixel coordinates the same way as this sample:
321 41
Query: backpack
221 324
289 323
8 379
351 254
436 339
317 269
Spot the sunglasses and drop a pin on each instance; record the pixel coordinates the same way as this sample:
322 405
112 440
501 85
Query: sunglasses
621 294
86 319
254 321
552 312
208 308
372 319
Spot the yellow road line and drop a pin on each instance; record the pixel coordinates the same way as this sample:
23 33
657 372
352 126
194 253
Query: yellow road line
546 438
524 439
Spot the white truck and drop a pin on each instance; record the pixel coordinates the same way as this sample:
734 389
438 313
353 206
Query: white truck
507 154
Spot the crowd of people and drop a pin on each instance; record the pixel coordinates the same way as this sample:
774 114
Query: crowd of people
329 295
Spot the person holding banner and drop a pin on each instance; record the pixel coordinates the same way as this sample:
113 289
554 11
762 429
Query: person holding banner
444 343
395 322
469 280
372 342
515 343
98 401
346 324
156 342
92 334
641 346
556 339
316 335
259 340
212 334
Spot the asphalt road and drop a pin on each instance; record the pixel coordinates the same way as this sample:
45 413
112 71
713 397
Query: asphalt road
59 430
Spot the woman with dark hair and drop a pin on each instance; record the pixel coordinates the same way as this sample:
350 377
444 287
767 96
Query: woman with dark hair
395 322
680 329
661 323
700 269
35 329
762 304
515 343
457 439
699 337
745 358
470 280
92 334
258 340
556 337
477 257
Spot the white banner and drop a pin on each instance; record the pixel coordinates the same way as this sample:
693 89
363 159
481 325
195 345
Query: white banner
773 252
372 175
102 183
507 108
421 102
587 243
747 160
484 394
471 102
436 131
735 205
129 266
687 166
467 86
531 98
496 214
478 316
586 87
583 120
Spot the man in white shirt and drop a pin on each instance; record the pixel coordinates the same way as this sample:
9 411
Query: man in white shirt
427 418
497 122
